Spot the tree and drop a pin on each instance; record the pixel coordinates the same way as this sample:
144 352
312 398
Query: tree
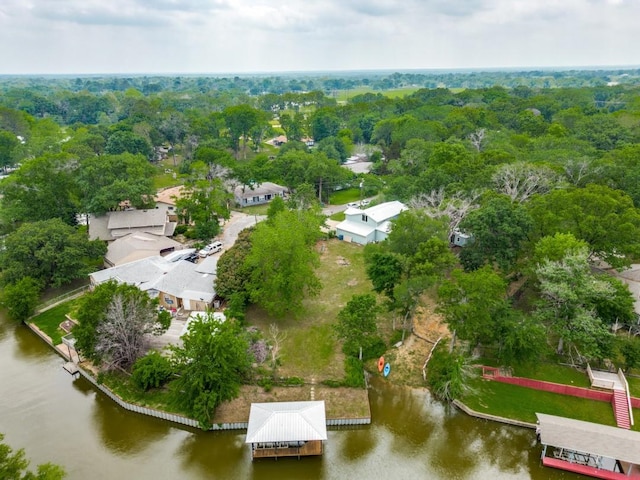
123 335
42 188
448 374
151 371
568 289
604 218
282 262
123 141
240 120
203 203
357 327
232 273
472 304
13 466
8 145
21 298
383 269
412 228
91 311
499 228
50 251
211 364
519 181
107 181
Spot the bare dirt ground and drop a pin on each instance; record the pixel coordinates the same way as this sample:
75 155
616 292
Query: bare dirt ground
407 360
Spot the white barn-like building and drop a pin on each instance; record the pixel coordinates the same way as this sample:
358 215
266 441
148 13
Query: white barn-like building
369 225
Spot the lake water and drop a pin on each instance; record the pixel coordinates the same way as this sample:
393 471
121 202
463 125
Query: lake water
68 422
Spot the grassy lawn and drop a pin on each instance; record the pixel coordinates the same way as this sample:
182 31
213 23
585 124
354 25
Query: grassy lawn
553 373
338 217
255 209
310 349
50 320
521 403
344 196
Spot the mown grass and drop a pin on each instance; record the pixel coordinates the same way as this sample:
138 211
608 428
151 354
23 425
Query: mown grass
555 373
255 209
342 197
50 320
338 216
521 403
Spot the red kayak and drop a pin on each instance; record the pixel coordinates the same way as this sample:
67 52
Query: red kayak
380 364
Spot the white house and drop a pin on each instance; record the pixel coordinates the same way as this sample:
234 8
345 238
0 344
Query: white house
264 192
177 283
137 246
369 225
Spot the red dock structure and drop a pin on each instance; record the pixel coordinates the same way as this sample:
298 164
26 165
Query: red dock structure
591 449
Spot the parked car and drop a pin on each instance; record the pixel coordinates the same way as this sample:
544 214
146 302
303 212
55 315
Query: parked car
192 257
365 203
353 205
210 249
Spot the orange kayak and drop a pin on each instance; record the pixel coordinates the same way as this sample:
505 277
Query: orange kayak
380 364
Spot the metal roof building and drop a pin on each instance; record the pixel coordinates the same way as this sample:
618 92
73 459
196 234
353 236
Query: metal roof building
589 444
286 429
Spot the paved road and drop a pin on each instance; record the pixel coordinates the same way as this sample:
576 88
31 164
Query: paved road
238 222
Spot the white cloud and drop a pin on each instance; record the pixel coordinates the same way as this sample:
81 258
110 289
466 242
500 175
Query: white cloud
84 36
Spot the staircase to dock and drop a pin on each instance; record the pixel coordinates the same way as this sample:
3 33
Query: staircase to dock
621 408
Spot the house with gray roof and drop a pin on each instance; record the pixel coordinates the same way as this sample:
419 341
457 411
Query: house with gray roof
372 224
119 223
176 282
136 246
264 192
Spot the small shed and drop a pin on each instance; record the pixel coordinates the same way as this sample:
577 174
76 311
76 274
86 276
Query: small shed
287 429
461 239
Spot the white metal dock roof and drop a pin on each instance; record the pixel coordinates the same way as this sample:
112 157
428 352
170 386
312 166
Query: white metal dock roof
286 421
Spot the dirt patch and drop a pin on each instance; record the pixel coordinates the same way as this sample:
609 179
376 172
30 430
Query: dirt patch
343 261
407 360
339 402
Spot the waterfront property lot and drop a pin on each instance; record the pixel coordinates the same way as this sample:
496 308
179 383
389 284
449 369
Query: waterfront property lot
310 349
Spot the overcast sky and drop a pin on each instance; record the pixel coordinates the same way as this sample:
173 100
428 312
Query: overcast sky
243 36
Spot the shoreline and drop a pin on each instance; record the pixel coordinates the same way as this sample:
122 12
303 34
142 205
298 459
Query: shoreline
234 415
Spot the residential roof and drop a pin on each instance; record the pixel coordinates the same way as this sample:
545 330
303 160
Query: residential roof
357 228
136 219
167 195
117 224
586 437
138 245
286 421
263 188
170 274
385 211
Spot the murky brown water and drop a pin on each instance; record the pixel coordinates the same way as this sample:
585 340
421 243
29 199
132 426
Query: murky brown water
67 422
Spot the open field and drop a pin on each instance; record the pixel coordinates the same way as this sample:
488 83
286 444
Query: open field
310 350
345 95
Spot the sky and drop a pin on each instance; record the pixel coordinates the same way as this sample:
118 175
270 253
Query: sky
255 36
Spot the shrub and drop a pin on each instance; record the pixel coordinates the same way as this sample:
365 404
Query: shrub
151 371
181 229
292 381
354 373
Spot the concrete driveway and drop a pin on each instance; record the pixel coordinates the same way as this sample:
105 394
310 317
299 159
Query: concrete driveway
236 223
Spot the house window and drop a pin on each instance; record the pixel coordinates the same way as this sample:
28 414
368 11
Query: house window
256 199
365 218
244 200
267 197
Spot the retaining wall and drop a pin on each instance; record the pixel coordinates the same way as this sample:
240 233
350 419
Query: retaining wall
557 388
173 417
493 418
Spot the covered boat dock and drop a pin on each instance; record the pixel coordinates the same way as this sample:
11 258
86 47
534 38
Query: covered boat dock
591 449
286 429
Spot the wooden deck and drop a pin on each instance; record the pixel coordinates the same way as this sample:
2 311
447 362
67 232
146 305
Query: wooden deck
308 449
